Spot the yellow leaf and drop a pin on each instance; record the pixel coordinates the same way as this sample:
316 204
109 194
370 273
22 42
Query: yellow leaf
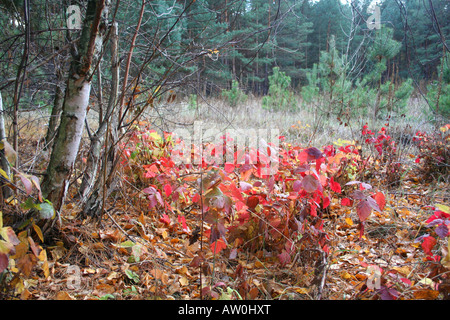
38 231
12 201
403 270
443 208
349 221
183 281
19 288
46 269
341 142
347 276
3 173
427 281
155 135
302 290
42 255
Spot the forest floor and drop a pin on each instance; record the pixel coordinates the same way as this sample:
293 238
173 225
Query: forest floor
133 253
136 256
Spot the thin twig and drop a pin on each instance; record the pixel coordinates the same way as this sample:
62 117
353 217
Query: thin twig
201 229
120 228
324 275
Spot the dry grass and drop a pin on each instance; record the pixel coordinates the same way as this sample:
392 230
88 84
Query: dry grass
303 126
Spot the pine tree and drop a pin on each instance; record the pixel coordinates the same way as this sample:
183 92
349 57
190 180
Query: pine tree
331 76
439 90
327 21
280 96
290 41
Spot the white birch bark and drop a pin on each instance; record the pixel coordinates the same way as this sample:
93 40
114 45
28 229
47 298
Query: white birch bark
4 162
76 99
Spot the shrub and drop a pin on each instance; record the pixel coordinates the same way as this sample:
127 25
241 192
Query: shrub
192 102
329 79
234 96
443 107
438 225
444 99
434 153
279 97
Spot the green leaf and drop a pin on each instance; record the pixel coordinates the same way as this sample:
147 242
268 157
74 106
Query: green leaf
127 244
46 210
132 275
29 204
134 154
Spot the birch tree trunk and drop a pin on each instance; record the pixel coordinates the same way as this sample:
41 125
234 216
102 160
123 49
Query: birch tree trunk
3 160
95 201
95 193
76 99
97 139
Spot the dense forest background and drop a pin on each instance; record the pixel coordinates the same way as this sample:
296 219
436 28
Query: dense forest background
201 48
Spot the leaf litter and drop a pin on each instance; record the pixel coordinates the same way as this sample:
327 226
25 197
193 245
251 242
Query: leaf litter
163 244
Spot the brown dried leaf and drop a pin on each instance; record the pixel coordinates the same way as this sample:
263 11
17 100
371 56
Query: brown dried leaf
26 263
62 295
426 294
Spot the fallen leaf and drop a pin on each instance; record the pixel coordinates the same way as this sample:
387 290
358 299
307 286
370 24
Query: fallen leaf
349 221
25 294
302 290
183 281
103 288
182 270
426 294
26 263
405 270
346 276
62 295
160 275
38 231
